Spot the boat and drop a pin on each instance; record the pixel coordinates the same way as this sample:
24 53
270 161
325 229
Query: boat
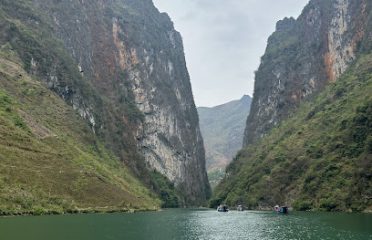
281 209
222 208
240 208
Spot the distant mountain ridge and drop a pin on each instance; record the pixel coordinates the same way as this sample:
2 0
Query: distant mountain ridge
222 128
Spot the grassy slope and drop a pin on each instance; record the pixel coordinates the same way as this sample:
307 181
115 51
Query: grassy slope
320 158
50 160
27 31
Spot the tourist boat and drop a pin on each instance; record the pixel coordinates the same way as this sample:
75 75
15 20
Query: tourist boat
240 208
222 208
282 209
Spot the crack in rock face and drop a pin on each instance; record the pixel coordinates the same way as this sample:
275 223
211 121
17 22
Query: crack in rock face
340 53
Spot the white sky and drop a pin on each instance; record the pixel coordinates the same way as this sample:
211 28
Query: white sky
224 41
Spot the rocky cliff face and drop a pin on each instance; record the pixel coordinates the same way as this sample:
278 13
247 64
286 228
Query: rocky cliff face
302 56
315 79
131 58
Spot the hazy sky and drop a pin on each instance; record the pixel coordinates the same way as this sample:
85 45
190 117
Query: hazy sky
224 40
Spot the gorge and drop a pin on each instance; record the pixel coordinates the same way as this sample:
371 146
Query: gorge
97 113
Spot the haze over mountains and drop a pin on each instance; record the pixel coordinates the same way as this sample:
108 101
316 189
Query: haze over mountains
222 129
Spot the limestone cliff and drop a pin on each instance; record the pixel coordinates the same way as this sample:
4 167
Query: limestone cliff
131 82
302 56
308 136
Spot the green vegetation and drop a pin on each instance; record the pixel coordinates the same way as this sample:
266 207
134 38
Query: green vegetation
50 160
318 159
27 40
166 191
215 176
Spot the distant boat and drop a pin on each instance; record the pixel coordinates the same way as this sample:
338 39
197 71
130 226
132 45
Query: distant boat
240 208
282 209
222 208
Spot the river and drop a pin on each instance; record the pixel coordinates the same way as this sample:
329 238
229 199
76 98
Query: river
186 224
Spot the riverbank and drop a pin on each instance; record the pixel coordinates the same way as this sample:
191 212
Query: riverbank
108 210
291 209
103 210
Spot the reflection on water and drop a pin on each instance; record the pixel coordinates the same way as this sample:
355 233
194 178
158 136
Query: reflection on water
232 225
190 225
271 226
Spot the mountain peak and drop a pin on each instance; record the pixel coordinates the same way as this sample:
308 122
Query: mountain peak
245 97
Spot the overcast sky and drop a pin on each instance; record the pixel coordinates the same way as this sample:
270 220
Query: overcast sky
224 40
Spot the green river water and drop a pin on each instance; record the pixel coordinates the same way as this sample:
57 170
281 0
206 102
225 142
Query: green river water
189 224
